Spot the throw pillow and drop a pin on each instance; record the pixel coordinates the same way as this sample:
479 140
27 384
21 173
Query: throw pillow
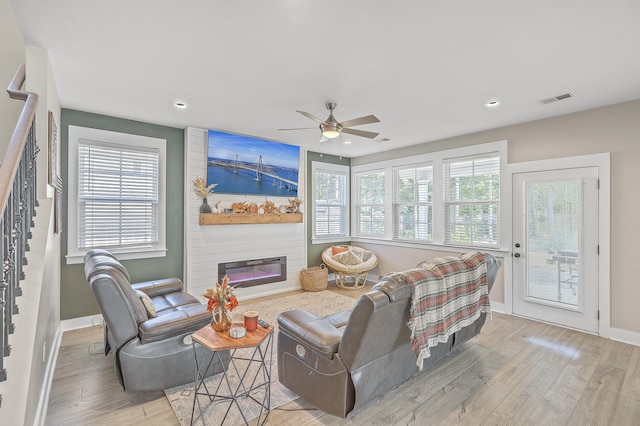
147 303
348 258
362 253
338 249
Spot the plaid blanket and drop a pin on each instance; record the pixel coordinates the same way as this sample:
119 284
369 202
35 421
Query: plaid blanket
448 294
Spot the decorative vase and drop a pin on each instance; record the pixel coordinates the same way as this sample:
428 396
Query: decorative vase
205 207
221 320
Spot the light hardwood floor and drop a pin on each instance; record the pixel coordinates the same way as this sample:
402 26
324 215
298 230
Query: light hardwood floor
516 372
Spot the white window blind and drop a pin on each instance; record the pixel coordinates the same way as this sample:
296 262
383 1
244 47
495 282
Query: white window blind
413 203
472 200
117 197
331 197
369 204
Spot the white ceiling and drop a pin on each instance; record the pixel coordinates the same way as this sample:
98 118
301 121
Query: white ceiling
424 68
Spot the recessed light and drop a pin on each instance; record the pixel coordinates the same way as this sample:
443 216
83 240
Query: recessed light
346 142
180 104
493 103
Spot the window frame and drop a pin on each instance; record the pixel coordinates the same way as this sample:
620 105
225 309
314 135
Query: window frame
320 167
437 158
131 142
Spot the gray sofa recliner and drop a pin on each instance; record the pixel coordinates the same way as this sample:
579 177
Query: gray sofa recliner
343 361
150 354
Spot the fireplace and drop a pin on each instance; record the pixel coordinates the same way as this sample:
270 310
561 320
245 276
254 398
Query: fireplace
248 273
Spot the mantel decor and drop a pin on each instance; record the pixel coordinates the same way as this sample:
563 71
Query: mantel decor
248 218
203 190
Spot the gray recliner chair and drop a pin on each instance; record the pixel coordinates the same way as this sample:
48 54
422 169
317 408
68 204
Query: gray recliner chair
150 354
343 361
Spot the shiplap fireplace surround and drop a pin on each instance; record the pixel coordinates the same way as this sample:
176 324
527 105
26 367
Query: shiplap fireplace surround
207 246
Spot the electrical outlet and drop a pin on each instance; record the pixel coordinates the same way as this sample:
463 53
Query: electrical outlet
44 351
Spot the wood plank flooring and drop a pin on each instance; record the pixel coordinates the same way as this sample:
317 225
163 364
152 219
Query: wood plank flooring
516 372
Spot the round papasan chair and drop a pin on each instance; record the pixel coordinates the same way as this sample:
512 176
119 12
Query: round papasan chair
349 261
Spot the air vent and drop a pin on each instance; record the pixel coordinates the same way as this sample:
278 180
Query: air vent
557 98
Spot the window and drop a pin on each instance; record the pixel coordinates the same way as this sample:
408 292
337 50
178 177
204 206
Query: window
472 200
442 199
369 204
331 197
413 203
116 197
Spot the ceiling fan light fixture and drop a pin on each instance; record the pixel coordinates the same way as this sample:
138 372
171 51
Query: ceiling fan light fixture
330 130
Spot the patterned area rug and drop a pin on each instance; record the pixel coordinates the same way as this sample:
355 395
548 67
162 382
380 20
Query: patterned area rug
319 303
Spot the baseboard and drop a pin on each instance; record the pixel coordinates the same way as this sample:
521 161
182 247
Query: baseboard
82 322
497 307
43 403
625 336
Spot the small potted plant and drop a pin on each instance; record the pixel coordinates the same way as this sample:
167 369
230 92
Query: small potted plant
203 190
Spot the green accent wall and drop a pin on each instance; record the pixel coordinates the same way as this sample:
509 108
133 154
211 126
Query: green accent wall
314 251
76 299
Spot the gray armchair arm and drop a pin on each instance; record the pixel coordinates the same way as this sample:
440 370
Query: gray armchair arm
178 322
159 287
317 333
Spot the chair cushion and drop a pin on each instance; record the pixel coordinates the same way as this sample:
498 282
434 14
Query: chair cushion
170 302
356 268
348 258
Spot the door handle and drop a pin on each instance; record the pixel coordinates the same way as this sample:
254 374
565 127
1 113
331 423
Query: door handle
516 255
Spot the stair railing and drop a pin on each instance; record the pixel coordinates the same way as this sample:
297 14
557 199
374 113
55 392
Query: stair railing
18 198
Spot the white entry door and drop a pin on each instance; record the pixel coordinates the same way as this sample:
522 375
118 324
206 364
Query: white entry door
555 246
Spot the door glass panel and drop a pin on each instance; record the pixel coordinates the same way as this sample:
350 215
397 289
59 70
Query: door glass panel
553 232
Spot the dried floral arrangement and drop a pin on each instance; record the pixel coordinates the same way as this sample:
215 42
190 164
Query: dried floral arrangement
201 188
222 297
240 207
294 205
269 207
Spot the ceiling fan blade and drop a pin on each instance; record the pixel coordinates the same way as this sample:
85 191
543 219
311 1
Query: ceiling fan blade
301 128
362 133
312 117
358 121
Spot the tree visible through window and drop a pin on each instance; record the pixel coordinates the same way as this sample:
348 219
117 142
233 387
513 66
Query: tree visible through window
369 204
472 200
413 203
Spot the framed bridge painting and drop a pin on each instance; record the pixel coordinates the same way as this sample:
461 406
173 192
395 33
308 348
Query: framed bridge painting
247 165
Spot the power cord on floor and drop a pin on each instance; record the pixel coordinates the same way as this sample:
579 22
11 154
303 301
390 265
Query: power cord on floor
97 348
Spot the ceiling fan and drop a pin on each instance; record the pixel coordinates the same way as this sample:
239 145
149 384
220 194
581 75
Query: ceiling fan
332 128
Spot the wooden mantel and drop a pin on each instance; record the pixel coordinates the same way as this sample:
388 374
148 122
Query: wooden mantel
248 218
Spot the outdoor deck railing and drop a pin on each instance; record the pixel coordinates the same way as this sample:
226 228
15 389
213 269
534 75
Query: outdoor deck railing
18 199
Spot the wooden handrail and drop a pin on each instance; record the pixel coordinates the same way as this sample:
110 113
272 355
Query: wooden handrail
9 165
18 199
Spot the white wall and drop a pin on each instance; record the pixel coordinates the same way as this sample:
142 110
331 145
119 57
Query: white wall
206 246
12 52
34 344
